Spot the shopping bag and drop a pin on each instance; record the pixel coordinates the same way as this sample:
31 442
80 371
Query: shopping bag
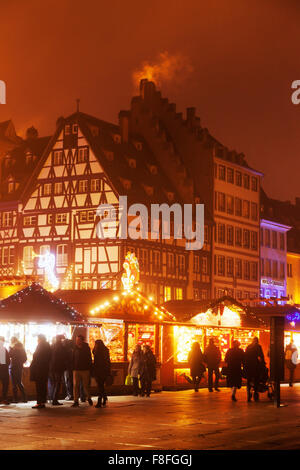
128 380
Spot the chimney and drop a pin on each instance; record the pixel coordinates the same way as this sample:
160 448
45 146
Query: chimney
147 89
124 117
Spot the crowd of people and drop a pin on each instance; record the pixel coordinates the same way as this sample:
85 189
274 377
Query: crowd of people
72 365
249 364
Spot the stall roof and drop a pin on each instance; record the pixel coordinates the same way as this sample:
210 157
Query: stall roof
290 312
185 310
35 304
114 304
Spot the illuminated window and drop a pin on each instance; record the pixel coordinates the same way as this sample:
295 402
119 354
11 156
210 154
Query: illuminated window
75 128
85 284
289 270
30 220
28 256
44 249
167 293
62 255
7 219
61 218
178 293
5 255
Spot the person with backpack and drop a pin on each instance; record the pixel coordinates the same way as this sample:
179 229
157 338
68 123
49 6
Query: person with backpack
291 361
18 357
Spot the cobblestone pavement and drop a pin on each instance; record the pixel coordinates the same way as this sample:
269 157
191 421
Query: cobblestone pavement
167 420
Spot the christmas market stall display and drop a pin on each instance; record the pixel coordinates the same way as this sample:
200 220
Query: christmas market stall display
291 328
225 320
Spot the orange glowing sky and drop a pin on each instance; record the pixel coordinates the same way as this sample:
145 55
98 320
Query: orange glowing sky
237 59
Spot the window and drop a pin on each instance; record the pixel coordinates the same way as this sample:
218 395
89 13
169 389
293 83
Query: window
238 268
85 285
7 219
221 265
86 216
254 213
230 175
246 179
49 219
230 267
282 271
238 207
246 239
82 156
11 186
44 249
75 128
196 264
254 183
246 270
181 264
206 234
156 261
230 205
167 293
230 235
215 170
262 266
267 238
238 236
289 270
61 218
204 265
222 172
196 294
275 269
178 293
5 255
30 220
238 178
221 233
281 241
57 157
268 267
11 255
221 202
58 188
67 129
47 189
254 241
82 186
95 185
62 255
27 256
246 209
274 239
143 259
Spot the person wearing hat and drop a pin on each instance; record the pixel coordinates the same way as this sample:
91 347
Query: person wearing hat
234 360
4 377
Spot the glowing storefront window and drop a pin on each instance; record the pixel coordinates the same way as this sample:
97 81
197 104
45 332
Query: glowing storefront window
184 337
112 335
140 334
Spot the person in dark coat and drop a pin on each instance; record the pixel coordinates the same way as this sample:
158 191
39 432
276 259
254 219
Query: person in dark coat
18 357
254 363
234 360
196 362
212 358
82 366
57 366
4 377
39 370
149 370
136 368
291 361
101 370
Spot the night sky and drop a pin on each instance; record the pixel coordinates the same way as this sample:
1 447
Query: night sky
235 60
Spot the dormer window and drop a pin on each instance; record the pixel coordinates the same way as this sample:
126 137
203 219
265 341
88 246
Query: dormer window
75 129
83 154
67 129
117 138
57 157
